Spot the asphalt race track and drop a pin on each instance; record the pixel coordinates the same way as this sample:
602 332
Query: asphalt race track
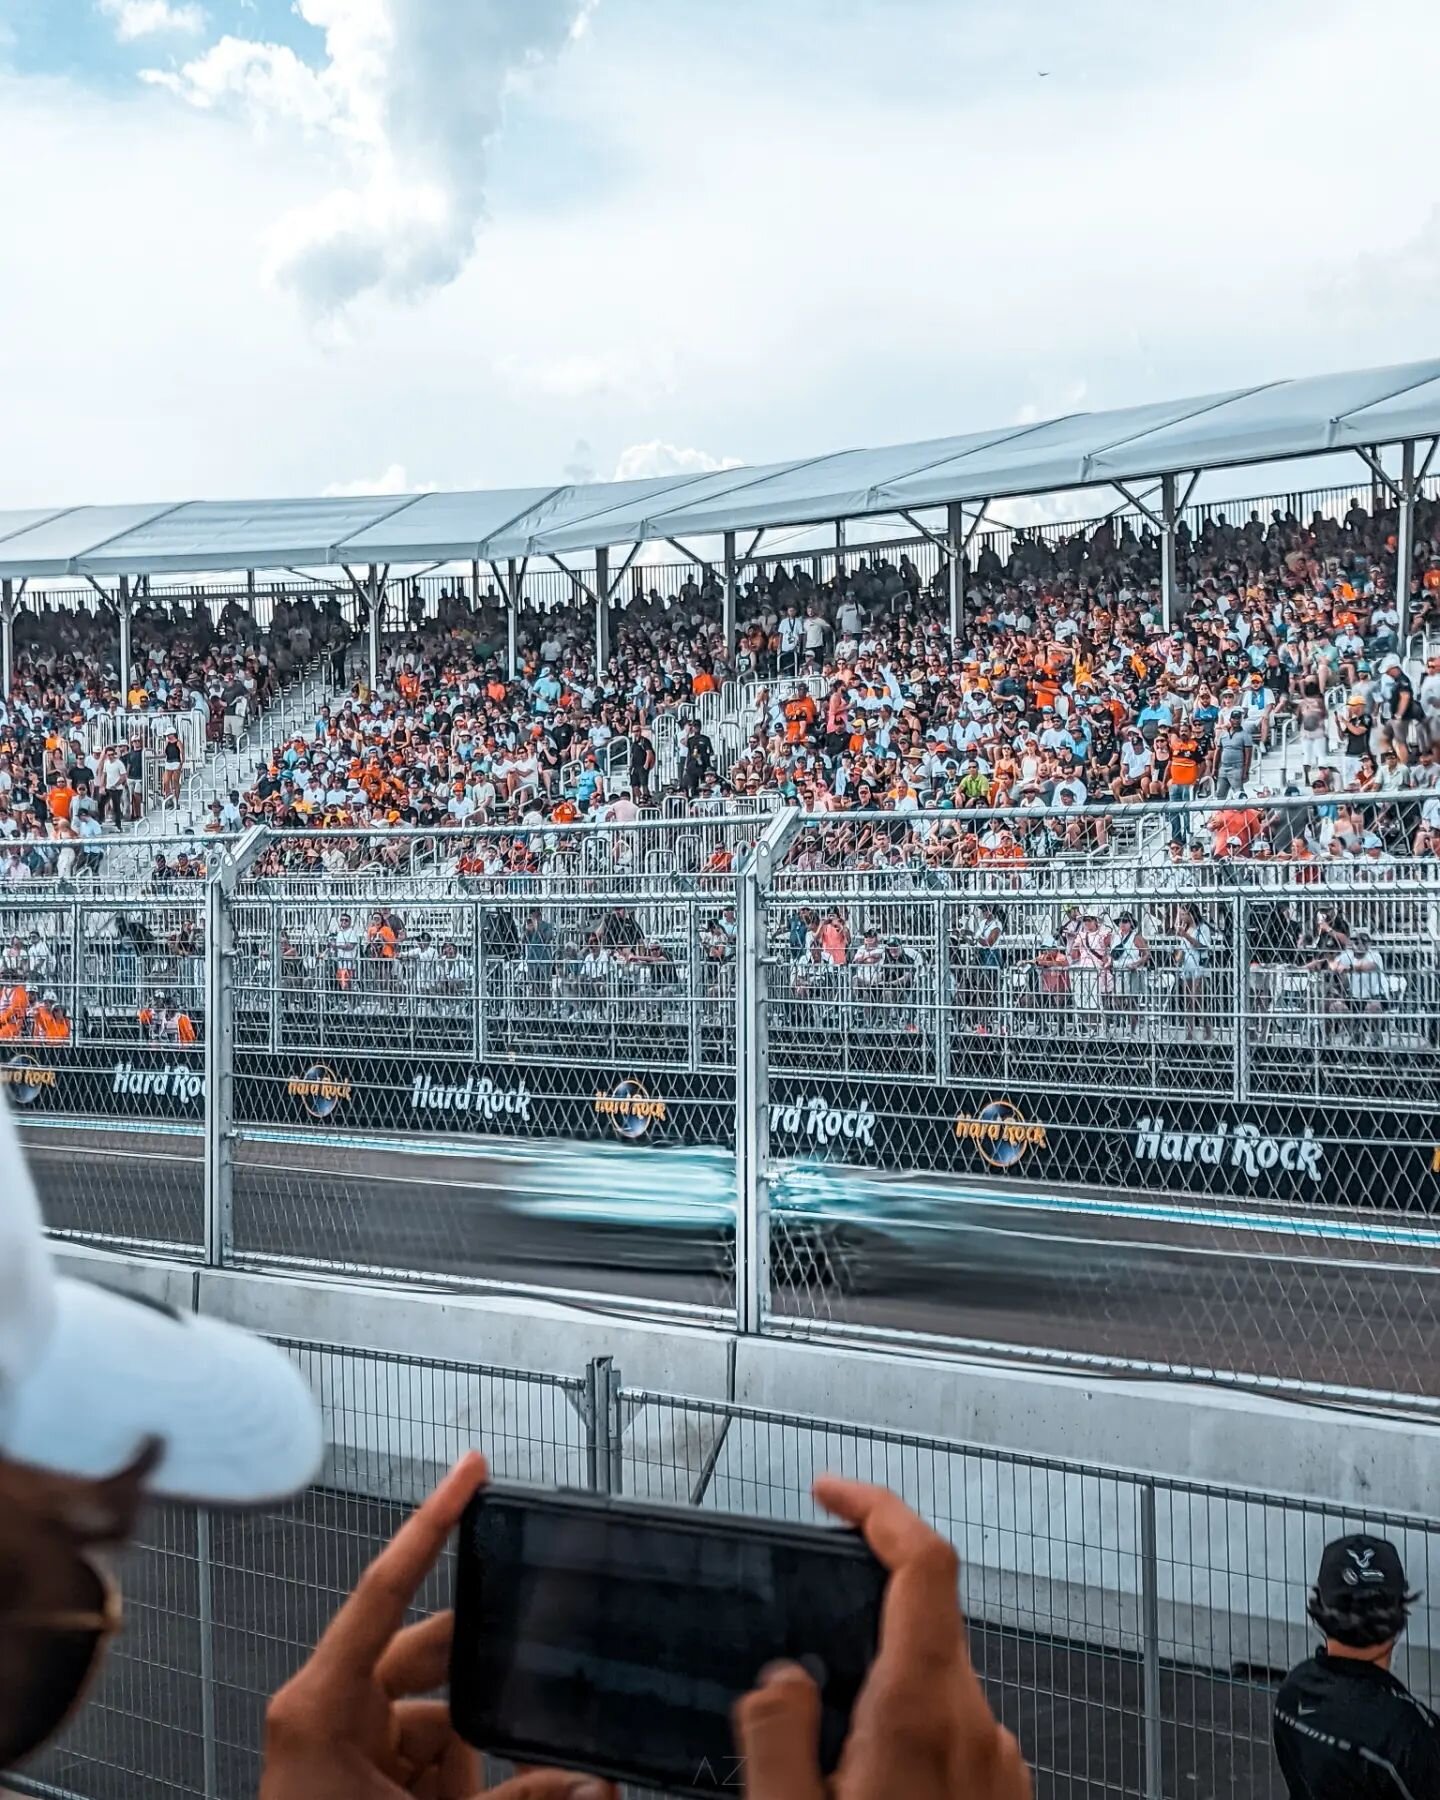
1328 1301
279 1576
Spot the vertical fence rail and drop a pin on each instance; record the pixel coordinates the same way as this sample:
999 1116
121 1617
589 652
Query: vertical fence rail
1150 1645
205 1607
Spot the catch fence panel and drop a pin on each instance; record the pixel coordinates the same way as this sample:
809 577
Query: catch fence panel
531 1091
1124 1124
1112 978
141 966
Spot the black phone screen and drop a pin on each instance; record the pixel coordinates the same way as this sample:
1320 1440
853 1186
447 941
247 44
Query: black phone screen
615 1637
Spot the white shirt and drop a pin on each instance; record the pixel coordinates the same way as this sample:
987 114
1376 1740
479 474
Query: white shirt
347 940
1367 982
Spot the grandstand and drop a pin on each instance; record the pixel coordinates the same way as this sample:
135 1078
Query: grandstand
956 668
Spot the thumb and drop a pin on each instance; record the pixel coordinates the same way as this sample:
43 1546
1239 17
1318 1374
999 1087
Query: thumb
777 1733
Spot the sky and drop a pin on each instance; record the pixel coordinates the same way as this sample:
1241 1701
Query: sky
253 248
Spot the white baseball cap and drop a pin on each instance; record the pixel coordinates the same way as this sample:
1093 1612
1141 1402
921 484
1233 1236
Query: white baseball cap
88 1376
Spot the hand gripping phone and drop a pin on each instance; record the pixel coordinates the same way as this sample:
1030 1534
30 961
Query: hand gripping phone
615 1637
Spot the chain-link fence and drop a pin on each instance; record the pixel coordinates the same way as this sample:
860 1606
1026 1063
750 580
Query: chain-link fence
1112 1106
1130 1629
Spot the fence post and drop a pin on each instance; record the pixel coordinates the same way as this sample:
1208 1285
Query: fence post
695 984
752 1075
1241 996
1150 1646
614 1427
219 1046
218 1099
205 1607
603 1427
941 952
477 997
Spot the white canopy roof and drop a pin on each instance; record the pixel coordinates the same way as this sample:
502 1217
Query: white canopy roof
1245 425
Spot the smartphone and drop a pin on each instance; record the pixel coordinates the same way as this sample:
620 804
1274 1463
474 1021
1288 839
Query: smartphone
614 1637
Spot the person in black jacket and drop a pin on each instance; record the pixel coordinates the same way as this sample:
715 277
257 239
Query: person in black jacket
1345 1727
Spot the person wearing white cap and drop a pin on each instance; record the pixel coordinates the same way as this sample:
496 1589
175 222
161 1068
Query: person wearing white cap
104 1399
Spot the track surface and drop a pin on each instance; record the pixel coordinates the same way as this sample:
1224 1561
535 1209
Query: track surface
1330 1301
278 1578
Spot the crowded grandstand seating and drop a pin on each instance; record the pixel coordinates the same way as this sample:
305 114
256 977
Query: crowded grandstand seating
843 695
82 752
849 695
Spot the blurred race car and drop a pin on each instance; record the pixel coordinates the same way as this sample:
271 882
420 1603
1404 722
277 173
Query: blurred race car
840 1228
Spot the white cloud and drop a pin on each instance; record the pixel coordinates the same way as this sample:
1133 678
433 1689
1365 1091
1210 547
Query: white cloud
410 97
136 19
645 461
269 81
640 372
394 480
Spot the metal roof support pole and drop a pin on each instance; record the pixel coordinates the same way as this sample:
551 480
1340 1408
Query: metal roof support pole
732 595
1169 514
374 605
1412 480
955 553
125 608
1405 541
7 636
512 621
602 610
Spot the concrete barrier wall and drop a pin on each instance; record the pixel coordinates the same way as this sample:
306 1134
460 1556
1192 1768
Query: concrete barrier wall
1184 1431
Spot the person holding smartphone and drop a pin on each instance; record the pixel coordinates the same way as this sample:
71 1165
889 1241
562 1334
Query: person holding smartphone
359 1721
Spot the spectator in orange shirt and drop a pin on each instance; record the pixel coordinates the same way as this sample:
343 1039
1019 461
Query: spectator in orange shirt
60 799
800 712
14 1009
49 1021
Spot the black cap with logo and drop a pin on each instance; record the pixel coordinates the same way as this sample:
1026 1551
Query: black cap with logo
1352 1566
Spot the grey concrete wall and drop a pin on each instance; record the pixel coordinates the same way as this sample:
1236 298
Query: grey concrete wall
1185 1431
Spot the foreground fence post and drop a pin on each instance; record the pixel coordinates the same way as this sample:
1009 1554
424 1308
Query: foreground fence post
205 1607
1150 1646
219 1074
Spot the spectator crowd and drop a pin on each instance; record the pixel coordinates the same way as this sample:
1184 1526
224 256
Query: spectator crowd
74 741
1066 691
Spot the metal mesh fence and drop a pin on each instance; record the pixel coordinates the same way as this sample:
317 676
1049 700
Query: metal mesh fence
1141 1119
1130 1629
1127 1108
650 985
118 1183
545 1179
